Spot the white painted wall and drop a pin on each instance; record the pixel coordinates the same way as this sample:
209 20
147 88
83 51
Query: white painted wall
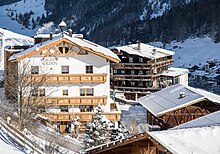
77 65
183 79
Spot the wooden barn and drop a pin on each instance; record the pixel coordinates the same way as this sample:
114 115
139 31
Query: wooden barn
179 141
178 104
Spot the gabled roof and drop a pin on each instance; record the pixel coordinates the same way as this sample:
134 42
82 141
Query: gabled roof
212 119
204 140
168 99
80 42
145 50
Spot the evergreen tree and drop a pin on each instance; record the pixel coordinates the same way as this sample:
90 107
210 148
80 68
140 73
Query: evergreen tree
97 131
118 133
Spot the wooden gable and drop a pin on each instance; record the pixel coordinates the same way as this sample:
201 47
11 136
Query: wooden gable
62 47
184 114
137 144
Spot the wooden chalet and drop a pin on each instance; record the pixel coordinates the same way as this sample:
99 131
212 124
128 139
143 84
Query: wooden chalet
138 73
178 104
200 140
137 144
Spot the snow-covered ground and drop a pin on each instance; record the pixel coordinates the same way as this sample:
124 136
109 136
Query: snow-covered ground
7 146
193 51
24 6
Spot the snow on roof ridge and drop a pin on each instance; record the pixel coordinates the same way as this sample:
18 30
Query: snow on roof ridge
145 50
209 95
80 41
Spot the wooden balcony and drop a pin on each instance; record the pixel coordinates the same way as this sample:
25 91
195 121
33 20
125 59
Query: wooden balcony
133 66
161 63
81 100
69 78
84 116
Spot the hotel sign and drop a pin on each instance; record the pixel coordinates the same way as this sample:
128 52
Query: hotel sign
49 61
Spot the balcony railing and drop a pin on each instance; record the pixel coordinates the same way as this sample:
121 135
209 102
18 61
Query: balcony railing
83 116
82 100
69 78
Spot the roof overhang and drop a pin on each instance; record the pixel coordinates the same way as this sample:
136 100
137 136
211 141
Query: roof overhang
39 49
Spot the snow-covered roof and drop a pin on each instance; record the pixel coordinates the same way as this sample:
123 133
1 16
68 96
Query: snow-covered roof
168 99
211 119
212 75
78 41
173 71
199 73
11 38
203 140
145 50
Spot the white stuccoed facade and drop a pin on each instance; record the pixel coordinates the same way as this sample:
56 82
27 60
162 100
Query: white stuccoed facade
77 65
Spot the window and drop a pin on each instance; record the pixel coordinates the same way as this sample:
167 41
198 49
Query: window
87 92
89 69
130 60
65 69
38 92
140 72
114 71
86 108
65 92
61 49
132 72
65 49
122 71
141 60
42 92
34 69
64 108
35 92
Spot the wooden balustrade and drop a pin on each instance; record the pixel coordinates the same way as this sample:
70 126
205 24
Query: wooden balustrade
83 116
69 78
81 100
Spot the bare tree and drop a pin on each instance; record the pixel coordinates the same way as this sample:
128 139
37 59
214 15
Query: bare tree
25 92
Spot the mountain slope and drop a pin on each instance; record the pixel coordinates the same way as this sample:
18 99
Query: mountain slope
22 16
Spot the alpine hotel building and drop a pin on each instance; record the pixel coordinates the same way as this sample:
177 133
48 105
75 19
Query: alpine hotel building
77 76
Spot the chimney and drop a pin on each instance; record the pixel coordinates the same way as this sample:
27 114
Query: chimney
138 45
56 31
182 95
62 27
70 32
51 35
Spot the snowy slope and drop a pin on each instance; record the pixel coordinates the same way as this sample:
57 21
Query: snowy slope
194 51
24 6
8 146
